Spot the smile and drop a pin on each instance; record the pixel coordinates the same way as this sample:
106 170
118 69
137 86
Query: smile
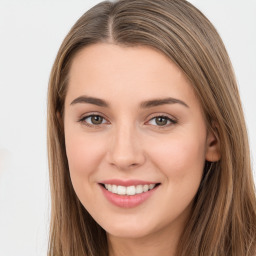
128 194
130 190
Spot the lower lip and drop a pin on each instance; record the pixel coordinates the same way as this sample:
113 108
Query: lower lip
127 201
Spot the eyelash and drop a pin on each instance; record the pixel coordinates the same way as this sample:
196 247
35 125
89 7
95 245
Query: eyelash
82 120
170 120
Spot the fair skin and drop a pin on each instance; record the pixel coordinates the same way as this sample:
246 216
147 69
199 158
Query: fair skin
122 138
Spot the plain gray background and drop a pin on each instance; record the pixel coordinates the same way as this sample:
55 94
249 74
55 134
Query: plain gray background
31 32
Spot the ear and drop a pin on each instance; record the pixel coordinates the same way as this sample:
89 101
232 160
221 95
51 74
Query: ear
213 145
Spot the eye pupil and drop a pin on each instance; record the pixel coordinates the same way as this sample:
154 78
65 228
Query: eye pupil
96 119
161 120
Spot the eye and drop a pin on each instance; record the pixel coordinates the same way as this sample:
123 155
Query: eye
161 121
93 120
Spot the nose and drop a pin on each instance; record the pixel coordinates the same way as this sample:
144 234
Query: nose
125 149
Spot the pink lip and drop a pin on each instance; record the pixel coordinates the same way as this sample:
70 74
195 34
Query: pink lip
125 201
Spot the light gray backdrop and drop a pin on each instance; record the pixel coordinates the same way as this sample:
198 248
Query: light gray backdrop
31 32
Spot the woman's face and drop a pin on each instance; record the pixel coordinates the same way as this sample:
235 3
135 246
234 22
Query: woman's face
136 139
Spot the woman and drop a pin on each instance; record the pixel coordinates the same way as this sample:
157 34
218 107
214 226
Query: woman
147 143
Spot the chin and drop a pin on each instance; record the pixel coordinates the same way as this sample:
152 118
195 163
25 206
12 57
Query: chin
129 229
128 233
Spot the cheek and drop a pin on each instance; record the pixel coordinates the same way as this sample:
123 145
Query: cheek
84 154
179 158
181 161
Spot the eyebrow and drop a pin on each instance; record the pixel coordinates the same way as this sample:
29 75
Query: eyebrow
144 104
90 100
159 102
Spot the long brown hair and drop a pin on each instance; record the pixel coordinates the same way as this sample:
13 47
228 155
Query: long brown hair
223 220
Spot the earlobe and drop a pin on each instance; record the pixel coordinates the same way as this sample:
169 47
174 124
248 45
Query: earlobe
213 145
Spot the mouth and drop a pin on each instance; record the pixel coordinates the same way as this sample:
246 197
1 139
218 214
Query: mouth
128 193
129 190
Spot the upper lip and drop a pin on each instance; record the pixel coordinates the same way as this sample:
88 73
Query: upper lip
127 183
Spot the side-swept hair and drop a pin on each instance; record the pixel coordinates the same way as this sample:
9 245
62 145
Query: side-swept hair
223 219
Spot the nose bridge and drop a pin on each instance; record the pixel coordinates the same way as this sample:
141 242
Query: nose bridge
125 149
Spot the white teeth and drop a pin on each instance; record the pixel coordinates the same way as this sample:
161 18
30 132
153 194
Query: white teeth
130 191
121 190
145 188
107 186
139 189
114 189
151 186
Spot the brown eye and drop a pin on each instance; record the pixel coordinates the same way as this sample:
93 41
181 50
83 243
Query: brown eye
96 119
93 120
161 121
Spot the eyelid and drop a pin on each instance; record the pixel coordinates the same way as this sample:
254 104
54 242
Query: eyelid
150 117
87 115
167 116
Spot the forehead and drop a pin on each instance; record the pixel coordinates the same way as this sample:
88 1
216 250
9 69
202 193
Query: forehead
127 73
